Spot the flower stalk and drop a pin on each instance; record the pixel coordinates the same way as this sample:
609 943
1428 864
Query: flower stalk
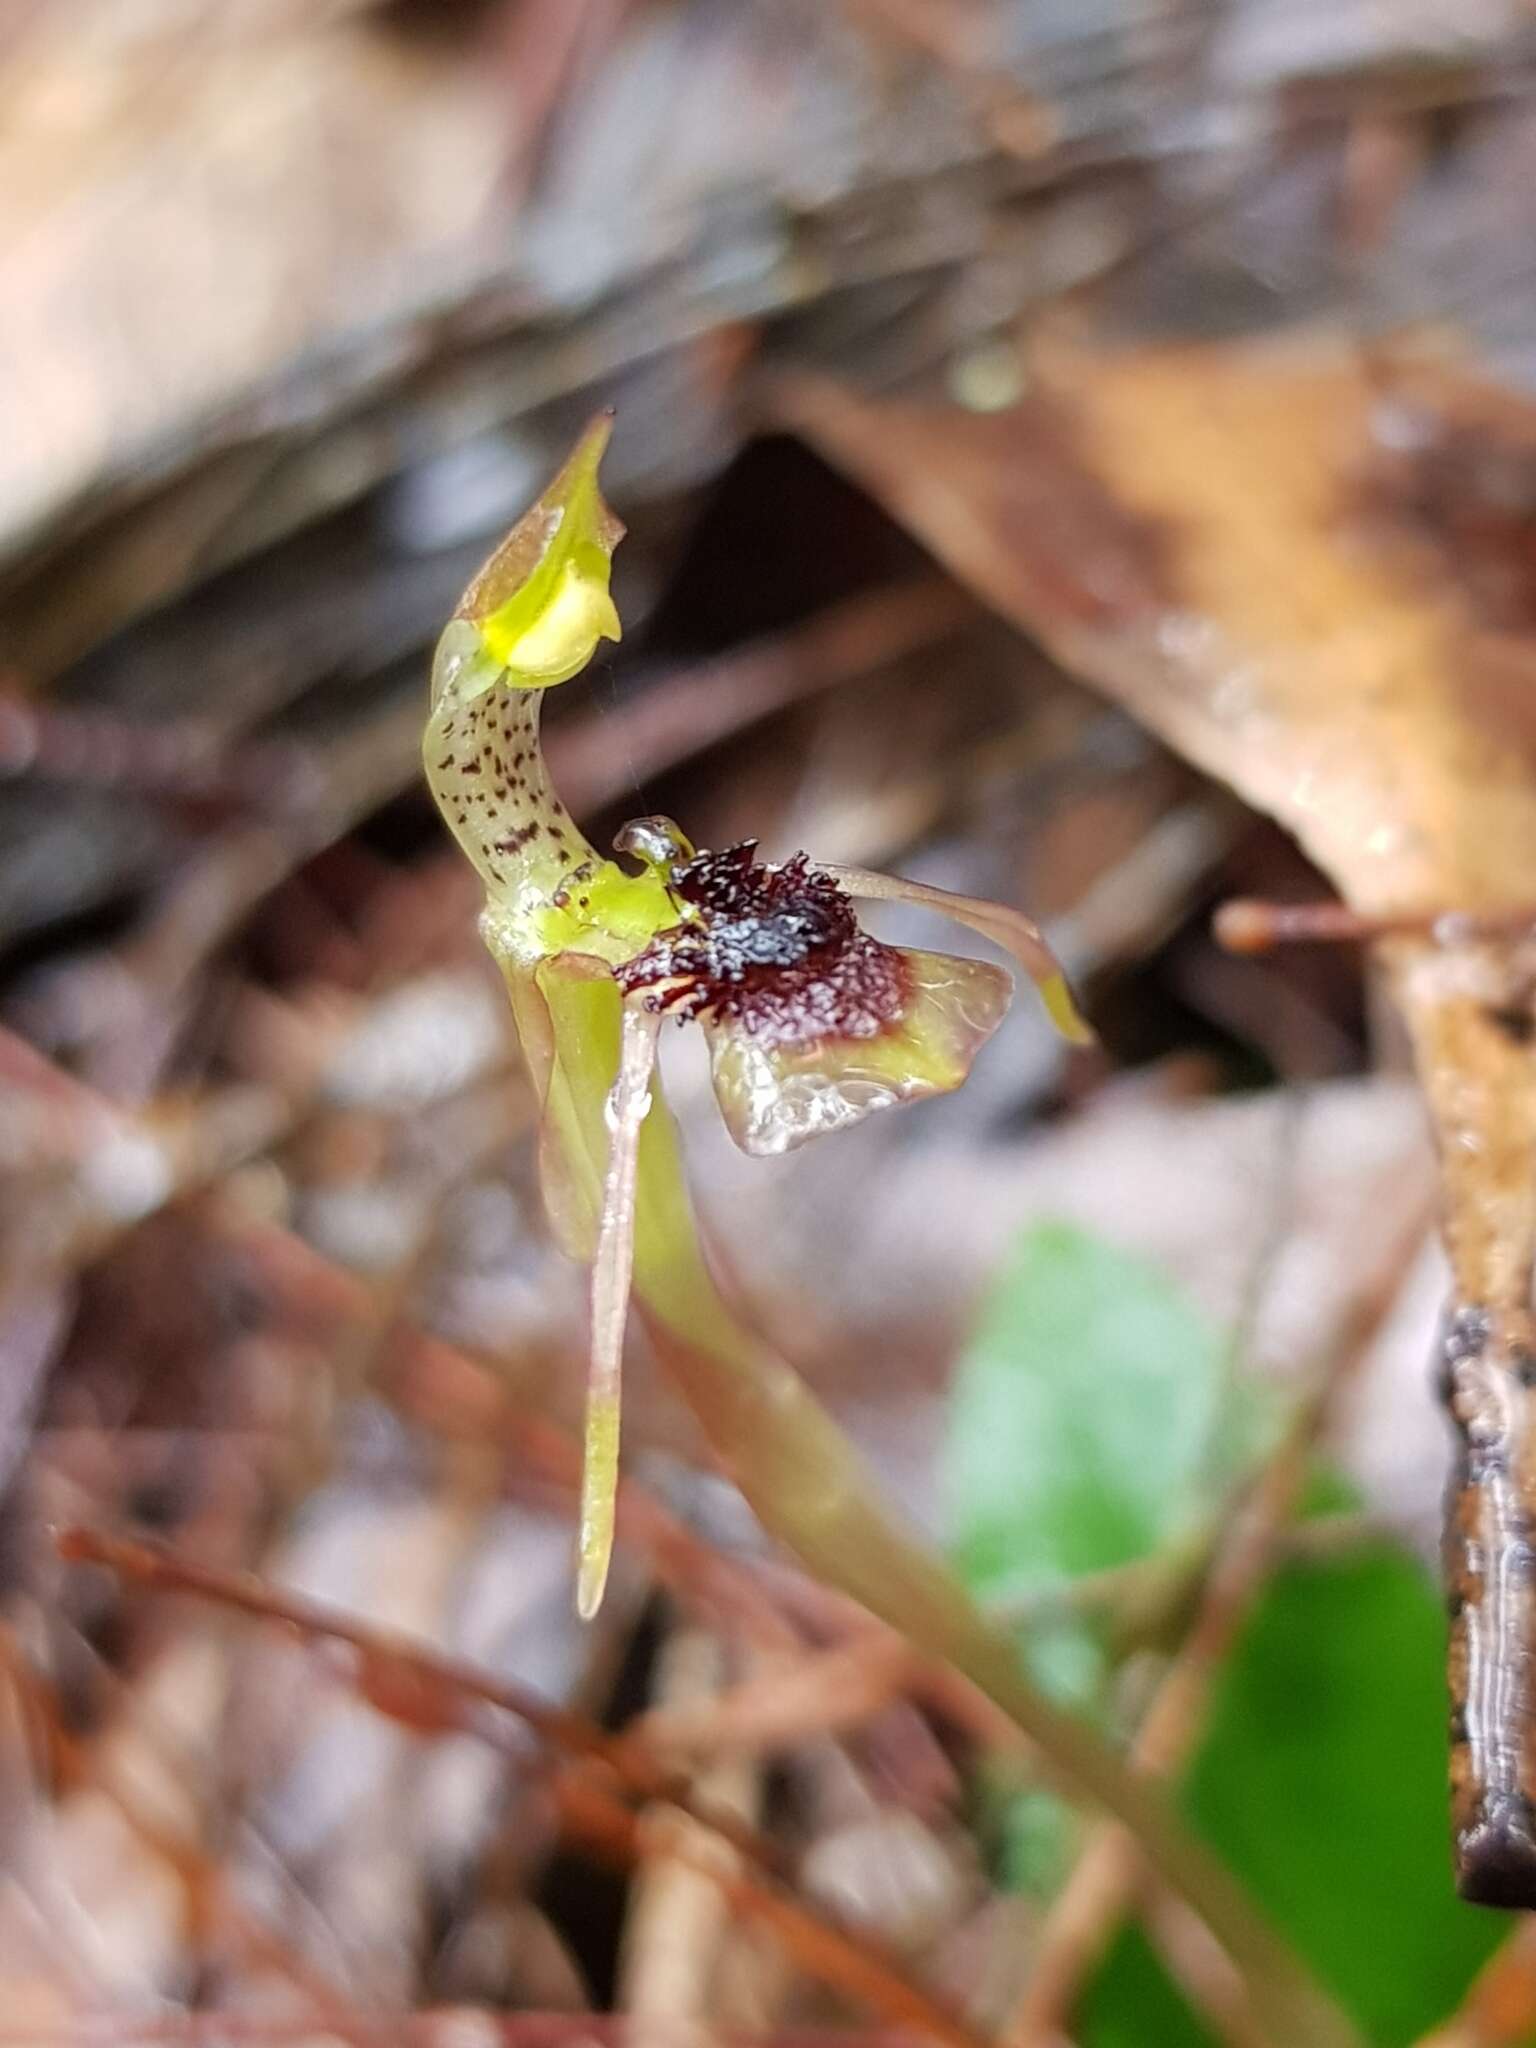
812 1025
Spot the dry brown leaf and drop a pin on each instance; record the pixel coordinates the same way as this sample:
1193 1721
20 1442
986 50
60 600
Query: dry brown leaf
290 176
1321 592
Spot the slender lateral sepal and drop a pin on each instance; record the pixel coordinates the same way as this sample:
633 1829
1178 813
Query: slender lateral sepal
1010 929
629 1102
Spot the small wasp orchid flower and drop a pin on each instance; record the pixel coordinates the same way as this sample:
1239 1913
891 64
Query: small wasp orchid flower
812 1023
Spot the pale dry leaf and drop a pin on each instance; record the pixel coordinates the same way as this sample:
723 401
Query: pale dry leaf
1235 542
1195 531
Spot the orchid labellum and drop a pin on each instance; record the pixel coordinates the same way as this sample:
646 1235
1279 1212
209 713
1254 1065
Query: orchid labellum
812 1024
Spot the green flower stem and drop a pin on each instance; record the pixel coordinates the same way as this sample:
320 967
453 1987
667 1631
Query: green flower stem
810 1489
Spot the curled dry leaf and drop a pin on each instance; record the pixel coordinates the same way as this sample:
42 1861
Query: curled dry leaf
1322 590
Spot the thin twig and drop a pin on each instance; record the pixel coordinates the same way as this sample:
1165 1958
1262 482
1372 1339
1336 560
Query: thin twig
857 1968
208 1889
820 1693
452 2026
678 1921
697 706
1248 925
456 1396
418 1683
428 1692
182 758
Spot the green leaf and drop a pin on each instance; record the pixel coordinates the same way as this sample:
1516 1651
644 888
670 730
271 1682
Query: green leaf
1131 2003
1087 1417
1080 1430
1322 1782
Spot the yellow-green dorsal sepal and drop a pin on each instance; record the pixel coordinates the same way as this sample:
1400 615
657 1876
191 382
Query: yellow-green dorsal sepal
541 603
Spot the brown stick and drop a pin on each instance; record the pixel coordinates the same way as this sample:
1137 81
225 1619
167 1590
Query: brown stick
1469 1006
452 2026
1469 1010
698 706
1489 1386
452 1394
387 1663
428 1691
859 1969
1247 925
185 758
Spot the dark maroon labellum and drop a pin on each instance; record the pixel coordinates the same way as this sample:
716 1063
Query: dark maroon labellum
775 950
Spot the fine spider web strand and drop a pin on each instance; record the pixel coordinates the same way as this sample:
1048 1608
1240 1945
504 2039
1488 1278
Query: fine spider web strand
609 701
628 1104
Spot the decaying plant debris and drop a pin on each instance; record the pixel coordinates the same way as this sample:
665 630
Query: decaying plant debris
1310 631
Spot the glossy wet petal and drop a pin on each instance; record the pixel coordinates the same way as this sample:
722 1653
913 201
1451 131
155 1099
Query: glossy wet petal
775 1096
1008 928
629 1103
